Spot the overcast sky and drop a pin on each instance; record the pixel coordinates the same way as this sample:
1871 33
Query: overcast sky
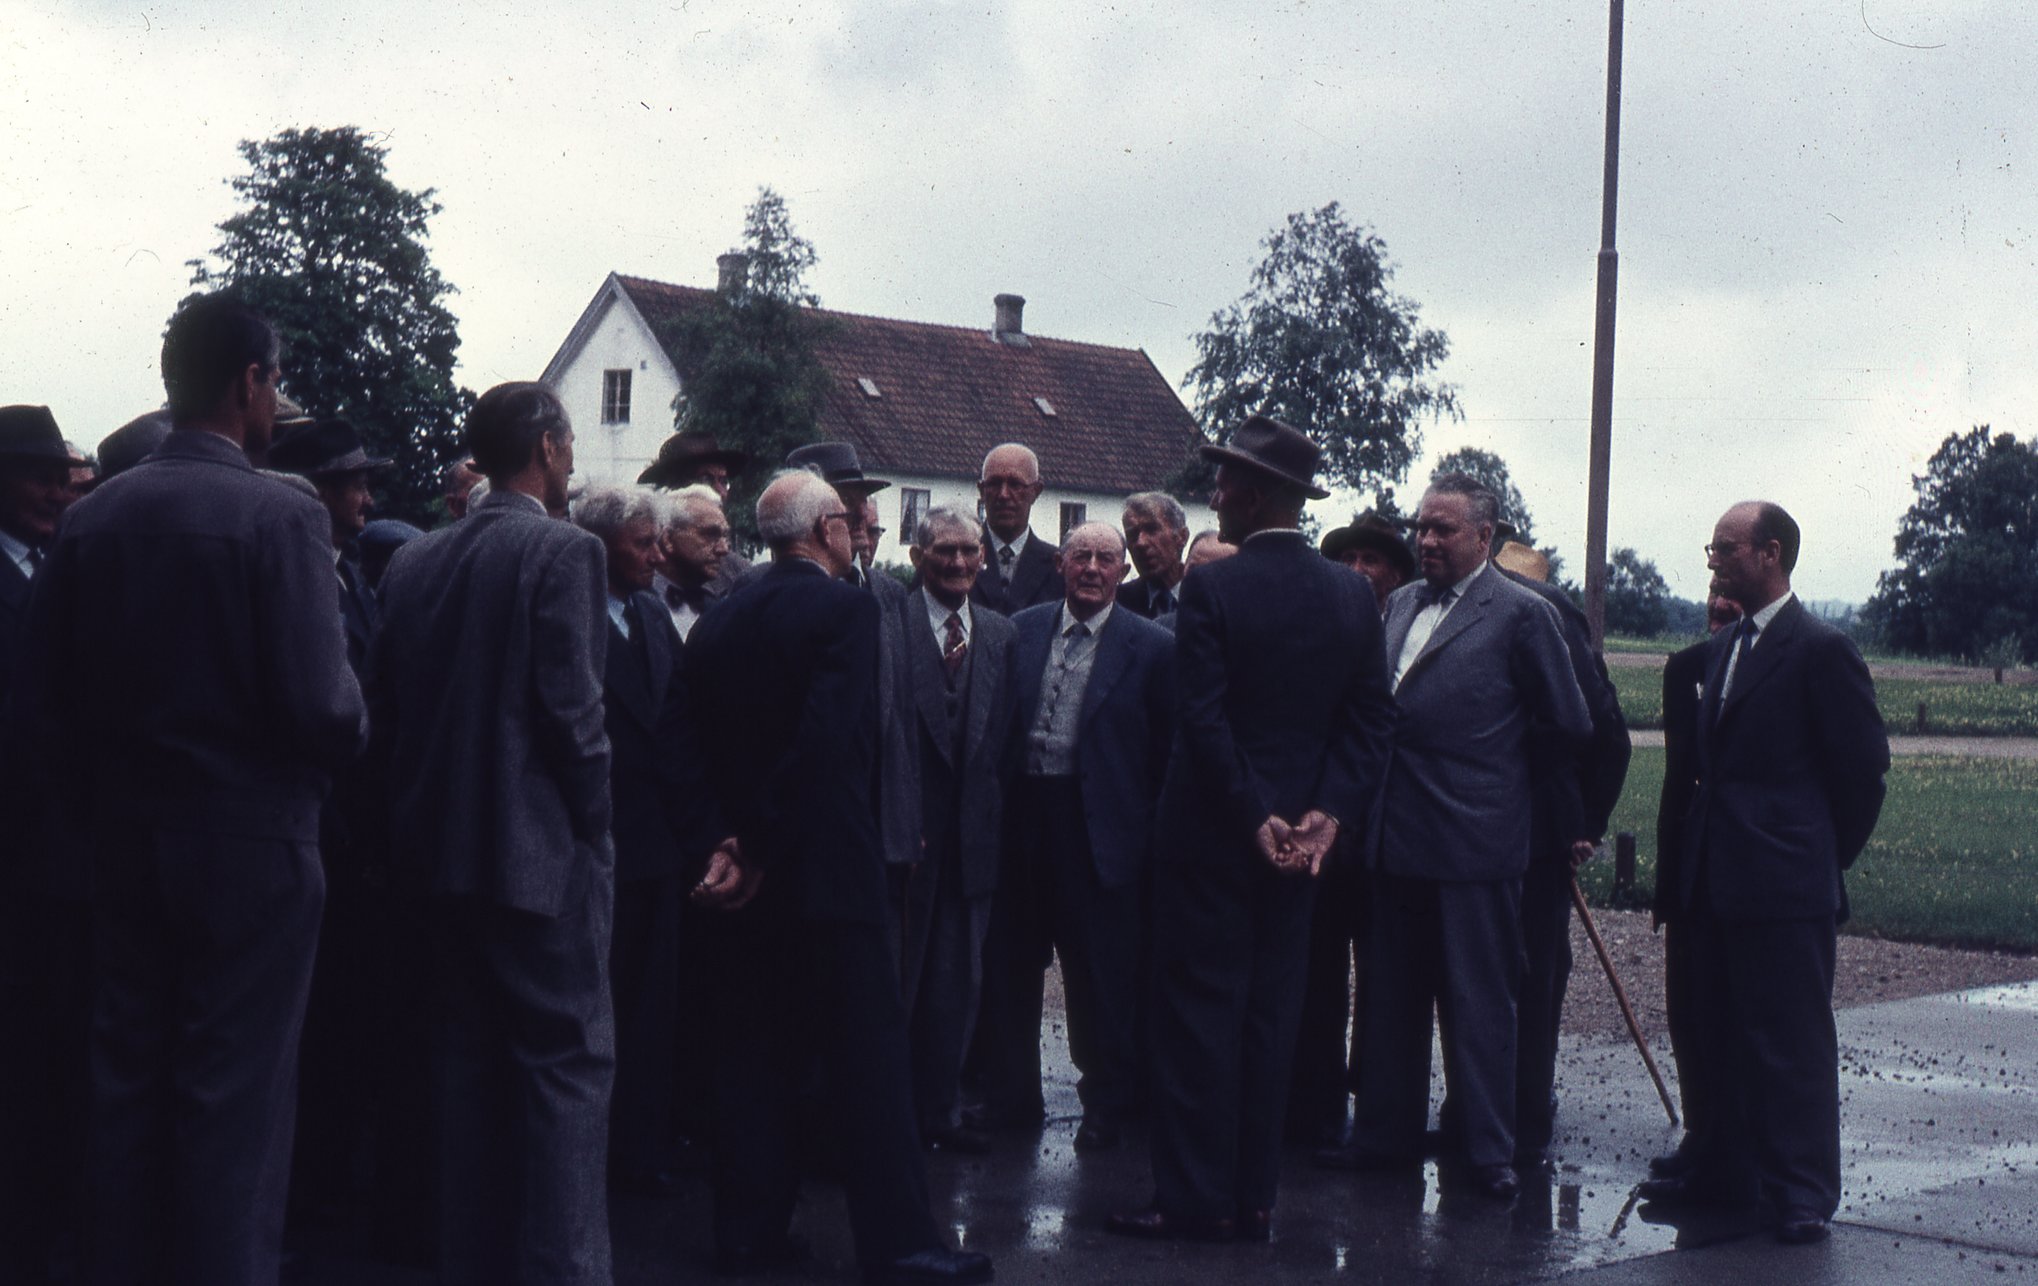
1828 220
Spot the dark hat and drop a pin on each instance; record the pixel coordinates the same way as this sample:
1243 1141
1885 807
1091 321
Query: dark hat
131 443
31 433
289 414
322 447
682 453
1370 531
836 462
385 535
1273 448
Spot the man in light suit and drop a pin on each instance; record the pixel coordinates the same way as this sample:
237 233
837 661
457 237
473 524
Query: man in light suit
951 672
786 674
1477 660
185 682
1092 719
1281 732
1790 758
1018 568
485 683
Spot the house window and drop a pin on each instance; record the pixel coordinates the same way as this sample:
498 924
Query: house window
1073 515
615 396
913 505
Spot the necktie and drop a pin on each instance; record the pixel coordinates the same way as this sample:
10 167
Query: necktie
1744 639
34 560
954 647
1006 557
1431 596
1162 603
677 595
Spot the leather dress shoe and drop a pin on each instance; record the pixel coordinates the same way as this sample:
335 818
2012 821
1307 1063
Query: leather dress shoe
990 1120
960 1139
1673 1165
1797 1226
1683 1192
1157 1225
1358 1159
1096 1136
751 1258
1254 1225
937 1264
1496 1181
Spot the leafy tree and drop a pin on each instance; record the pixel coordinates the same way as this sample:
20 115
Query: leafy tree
1319 341
748 369
333 253
1966 580
1489 469
1637 596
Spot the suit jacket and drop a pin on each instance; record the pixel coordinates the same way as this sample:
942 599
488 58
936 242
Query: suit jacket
1123 732
1575 788
898 793
955 788
785 674
359 612
182 665
1683 684
1458 787
1034 579
665 820
1137 597
1283 703
485 684
13 617
1790 774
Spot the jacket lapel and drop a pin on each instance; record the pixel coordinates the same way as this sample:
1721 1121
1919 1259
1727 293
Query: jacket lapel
1460 618
626 679
1763 657
930 680
13 585
657 648
1114 655
1029 573
986 679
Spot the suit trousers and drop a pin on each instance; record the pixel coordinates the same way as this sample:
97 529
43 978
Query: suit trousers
785 991
45 1078
204 947
1683 1008
942 936
1765 992
1230 944
1050 902
1326 1055
644 982
524 1065
1457 947
1546 943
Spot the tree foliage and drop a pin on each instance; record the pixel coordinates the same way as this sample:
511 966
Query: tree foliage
749 374
1321 342
1637 596
1491 471
333 253
1966 580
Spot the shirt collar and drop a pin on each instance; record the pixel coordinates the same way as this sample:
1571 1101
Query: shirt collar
17 550
1017 544
1274 531
937 616
1095 624
617 607
1768 614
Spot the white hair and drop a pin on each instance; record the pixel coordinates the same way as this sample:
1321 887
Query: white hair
791 503
1032 460
945 516
606 510
677 507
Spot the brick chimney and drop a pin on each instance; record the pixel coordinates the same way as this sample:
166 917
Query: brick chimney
733 271
1006 328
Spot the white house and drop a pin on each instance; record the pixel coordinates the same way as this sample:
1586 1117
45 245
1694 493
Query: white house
921 402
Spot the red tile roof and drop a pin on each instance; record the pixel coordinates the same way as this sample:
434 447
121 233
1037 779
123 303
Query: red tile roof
948 394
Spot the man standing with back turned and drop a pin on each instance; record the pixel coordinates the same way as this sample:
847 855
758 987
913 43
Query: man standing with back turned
1790 757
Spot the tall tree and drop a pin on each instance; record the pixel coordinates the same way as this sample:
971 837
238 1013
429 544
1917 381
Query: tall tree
748 370
1966 580
334 254
1318 340
1487 468
1637 596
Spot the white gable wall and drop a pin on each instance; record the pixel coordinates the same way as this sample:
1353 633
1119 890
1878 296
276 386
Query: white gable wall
617 340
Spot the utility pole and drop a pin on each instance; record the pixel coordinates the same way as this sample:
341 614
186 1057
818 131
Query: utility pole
1602 346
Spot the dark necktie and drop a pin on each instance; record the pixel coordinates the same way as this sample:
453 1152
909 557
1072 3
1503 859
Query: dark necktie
677 595
954 646
1162 602
1428 595
1006 558
1744 640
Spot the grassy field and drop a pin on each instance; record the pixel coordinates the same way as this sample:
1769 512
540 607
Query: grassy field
1954 860
1951 709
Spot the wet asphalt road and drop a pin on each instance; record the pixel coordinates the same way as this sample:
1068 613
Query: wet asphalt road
1940 1120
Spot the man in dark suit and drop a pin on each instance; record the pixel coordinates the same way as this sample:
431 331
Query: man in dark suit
951 671
1092 720
1790 759
785 672
1282 729
1156 533
486 685
696 544
1683 691
34 492
329 454
1018 569
1478 660
185 680
665 827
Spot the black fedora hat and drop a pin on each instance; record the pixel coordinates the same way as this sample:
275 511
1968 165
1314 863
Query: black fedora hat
31 433
682 453
836 462
1370 531
131 443
1273 448
322 447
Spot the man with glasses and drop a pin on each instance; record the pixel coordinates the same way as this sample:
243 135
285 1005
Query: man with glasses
1018 569
696 547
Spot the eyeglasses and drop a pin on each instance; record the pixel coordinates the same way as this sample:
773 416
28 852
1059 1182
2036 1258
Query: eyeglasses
1720 548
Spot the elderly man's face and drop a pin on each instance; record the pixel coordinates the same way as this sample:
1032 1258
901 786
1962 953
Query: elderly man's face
1379 569
1092 566
873 531
948 567
697 544
859 525
1449 546
33 495
1008 488
634 555
1156 548
714 474
348 501
1210 549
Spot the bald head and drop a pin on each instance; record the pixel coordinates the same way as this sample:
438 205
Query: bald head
1092 567
800 516
1009 485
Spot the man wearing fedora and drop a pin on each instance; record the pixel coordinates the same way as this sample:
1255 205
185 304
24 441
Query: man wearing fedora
695 458
1282 732
1373 547
35 475
330 455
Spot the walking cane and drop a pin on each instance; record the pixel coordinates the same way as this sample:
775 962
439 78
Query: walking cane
1627 1011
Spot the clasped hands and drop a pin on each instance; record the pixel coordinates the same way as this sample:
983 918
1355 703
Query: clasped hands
728 884
1297 847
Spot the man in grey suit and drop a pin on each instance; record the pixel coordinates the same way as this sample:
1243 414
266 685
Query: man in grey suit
1476 659
950 675
1018 570
485 683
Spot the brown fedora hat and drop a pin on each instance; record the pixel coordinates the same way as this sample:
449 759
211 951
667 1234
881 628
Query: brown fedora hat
682 453
1370 531
322 447
1273 448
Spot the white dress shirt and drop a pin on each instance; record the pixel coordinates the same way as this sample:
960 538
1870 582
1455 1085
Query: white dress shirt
1424 626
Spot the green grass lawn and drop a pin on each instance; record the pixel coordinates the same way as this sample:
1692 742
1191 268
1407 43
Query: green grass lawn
1954 860
1951 709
